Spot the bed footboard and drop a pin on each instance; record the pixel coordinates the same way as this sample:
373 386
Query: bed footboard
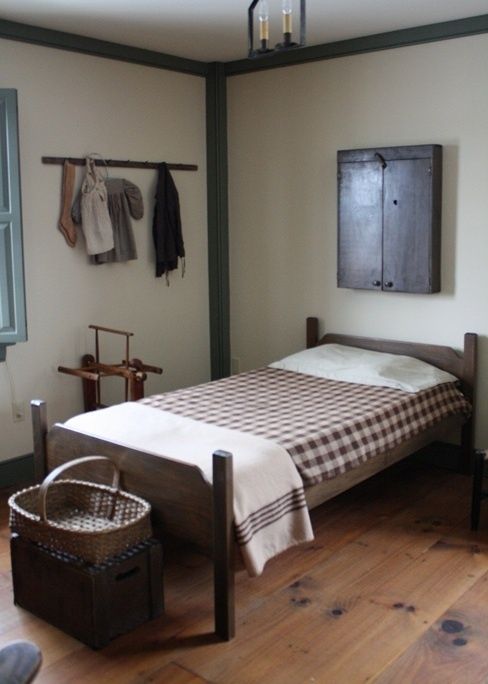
184 504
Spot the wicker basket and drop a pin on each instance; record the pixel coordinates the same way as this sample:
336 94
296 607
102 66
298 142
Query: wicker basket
91 521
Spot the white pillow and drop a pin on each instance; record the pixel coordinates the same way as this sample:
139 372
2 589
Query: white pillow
351 364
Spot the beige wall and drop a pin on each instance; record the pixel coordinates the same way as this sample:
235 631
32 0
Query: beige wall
285 127
72 104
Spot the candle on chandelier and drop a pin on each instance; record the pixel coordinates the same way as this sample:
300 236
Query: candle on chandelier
263 23
286 10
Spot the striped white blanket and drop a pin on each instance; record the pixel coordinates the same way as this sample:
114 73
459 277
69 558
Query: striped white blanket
270 511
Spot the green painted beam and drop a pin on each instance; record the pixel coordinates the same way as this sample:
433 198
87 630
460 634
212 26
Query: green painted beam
100 48
381 41
218 231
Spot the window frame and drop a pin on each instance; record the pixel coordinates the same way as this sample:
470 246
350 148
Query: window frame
13 323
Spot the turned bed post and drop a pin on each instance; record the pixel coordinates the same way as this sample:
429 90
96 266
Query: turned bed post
312 331
223 544
39 430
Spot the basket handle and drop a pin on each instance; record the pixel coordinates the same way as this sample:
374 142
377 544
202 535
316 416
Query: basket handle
66 466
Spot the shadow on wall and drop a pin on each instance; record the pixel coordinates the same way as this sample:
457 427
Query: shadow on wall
449 227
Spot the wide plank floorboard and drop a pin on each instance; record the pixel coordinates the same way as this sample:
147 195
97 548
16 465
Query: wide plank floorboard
453 649
394 588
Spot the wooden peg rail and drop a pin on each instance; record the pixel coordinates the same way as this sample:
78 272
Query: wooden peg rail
120 163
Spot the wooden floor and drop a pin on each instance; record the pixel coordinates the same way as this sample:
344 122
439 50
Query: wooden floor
394 589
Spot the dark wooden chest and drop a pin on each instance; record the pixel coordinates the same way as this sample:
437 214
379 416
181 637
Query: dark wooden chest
93 603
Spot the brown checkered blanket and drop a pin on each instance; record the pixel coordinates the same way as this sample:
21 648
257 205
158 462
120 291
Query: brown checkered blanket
328 427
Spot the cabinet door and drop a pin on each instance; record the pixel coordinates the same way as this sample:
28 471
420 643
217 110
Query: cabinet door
360 225
407 226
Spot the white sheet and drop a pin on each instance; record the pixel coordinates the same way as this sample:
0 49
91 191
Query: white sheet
264 473
364 367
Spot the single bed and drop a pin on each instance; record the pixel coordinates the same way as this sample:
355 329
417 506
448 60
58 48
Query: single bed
188 507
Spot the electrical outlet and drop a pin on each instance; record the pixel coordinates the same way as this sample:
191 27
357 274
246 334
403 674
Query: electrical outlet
18 411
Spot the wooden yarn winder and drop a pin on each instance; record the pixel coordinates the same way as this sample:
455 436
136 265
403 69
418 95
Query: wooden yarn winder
134 372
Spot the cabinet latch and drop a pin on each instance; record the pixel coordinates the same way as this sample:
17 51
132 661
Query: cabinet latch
382 159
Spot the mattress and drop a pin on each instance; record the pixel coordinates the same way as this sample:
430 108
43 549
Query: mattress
328 427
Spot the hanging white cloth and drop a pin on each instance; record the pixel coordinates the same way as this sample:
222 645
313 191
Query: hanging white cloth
96 223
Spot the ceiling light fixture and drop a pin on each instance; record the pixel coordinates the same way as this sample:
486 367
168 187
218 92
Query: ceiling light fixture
287 19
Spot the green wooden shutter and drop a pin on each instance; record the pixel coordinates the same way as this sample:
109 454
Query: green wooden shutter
12 296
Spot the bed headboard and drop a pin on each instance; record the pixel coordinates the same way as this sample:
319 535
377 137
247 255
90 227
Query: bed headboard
462 365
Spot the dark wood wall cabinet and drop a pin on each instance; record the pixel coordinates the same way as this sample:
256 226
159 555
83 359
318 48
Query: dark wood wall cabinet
389 218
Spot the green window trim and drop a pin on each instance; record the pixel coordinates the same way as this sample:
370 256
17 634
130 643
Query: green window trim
13 326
